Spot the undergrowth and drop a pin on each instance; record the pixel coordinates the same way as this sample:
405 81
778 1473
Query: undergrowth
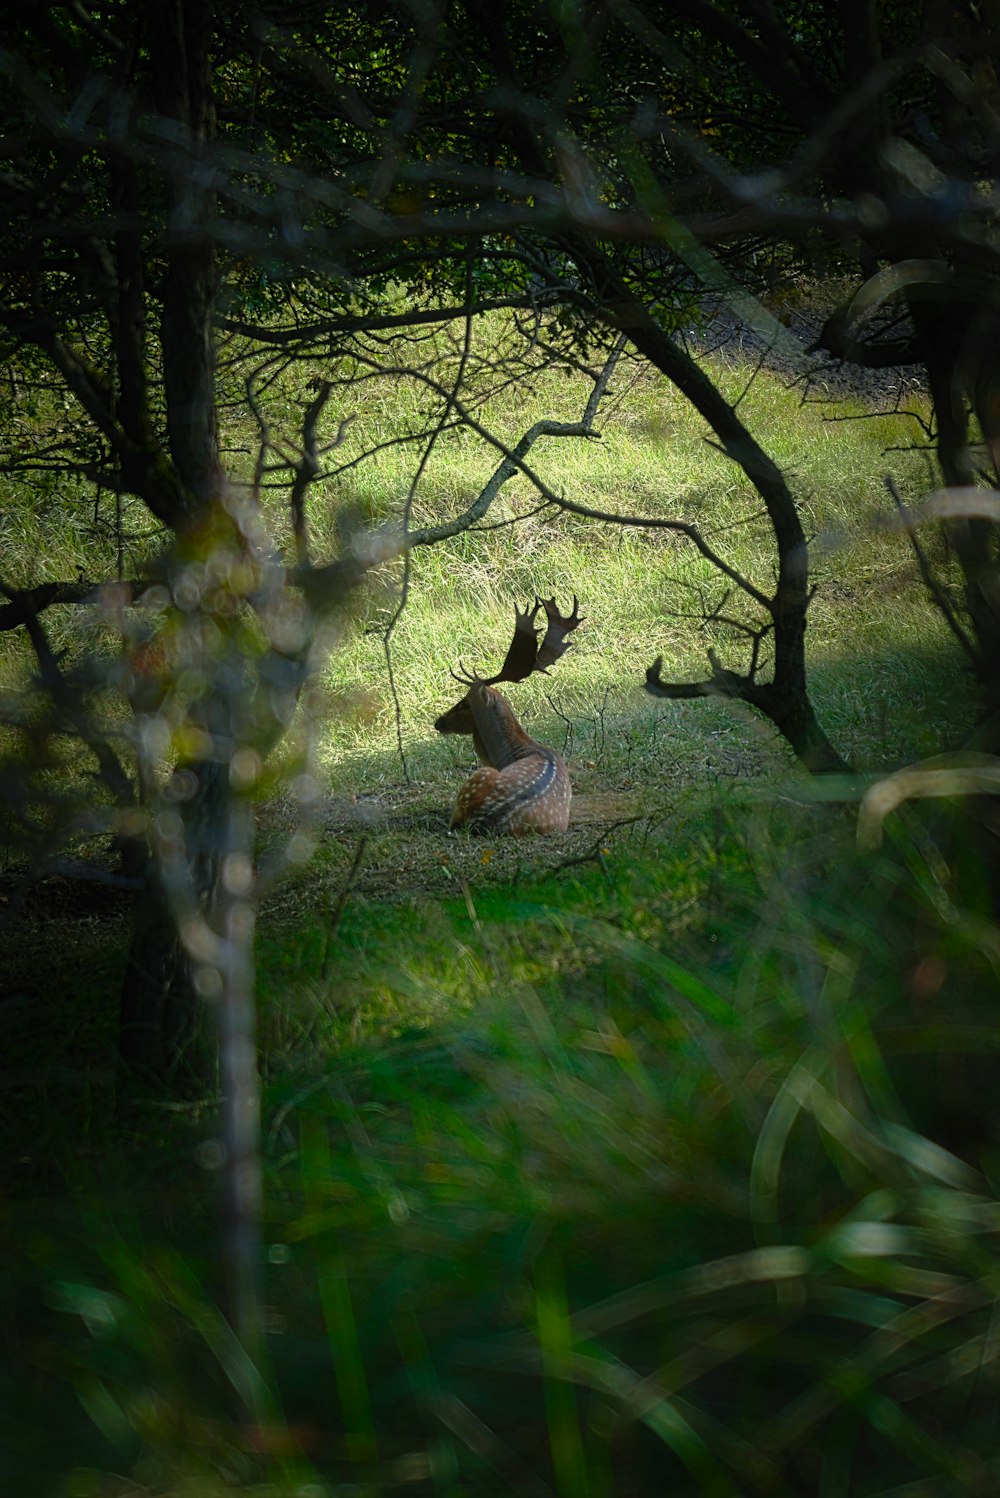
675 1170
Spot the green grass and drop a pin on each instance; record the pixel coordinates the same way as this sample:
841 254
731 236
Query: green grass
663 1157
643 592
676 1170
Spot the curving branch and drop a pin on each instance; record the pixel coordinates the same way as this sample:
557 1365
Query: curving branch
322 330
683 528
514 458
937 593
513 463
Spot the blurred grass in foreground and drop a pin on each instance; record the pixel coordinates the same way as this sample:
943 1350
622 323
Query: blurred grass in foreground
693 1191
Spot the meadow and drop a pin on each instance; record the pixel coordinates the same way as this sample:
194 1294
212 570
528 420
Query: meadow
661 1156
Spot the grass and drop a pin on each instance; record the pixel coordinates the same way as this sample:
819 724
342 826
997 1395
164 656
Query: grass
662 1157
672 1171
643 592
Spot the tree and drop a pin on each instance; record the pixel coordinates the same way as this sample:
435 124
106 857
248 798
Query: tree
148 205
112 270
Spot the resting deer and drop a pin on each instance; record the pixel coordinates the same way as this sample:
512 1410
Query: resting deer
523 786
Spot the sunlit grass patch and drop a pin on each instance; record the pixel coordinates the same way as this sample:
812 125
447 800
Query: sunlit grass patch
644 592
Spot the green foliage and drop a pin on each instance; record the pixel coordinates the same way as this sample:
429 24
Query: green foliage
675 1170
670 1163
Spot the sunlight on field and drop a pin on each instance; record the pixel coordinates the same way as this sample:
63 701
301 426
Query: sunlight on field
643 592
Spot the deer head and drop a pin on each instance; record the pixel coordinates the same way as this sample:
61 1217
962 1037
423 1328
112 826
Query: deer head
524 655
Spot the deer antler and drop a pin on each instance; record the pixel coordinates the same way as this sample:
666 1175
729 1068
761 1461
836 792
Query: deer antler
524 654
559 626
519 661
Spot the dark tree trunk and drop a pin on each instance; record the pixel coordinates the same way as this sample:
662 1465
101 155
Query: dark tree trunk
957 344
162 1026
159 1021
785 700
164 1036
791 712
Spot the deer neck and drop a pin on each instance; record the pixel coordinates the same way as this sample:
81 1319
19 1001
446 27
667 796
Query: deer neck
497 736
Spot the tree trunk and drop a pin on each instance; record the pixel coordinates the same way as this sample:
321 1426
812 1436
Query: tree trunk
960 371
791 712
160 1010
785 700
164 1035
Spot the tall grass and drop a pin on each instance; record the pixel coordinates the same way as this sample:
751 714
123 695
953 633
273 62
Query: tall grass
677 1173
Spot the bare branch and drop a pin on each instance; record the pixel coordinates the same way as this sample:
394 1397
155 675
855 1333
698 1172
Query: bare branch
27 603
660 688
512 464
111 769
323 330
938 595
336 913
306 470
652 522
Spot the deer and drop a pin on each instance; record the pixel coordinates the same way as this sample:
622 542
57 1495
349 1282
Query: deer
522 785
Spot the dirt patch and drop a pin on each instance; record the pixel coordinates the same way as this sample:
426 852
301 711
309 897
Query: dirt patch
406 847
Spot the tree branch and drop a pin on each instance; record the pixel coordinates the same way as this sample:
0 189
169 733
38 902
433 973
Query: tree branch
305 472
682 527
111 769
938 595
27 603
513 461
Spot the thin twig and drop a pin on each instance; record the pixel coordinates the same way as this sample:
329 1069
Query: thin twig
595 854
337 913
570 727
935 589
